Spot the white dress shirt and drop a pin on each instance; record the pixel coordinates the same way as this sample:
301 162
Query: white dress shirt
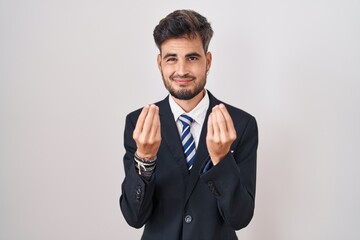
198 114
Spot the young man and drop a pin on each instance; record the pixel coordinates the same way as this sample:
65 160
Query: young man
190 160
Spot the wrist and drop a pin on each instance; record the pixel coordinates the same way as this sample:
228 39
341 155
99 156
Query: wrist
144 167
145 157
215 159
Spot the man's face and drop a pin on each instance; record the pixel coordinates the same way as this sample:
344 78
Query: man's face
184 64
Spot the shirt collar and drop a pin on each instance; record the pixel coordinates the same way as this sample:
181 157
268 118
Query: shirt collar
198 113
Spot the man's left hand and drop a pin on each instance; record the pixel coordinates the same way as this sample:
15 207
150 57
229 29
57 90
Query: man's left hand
220 134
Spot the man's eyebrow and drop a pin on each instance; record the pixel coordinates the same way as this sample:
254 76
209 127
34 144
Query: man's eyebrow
170 55
193 54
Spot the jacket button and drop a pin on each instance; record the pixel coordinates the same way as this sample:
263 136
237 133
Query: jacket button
188 219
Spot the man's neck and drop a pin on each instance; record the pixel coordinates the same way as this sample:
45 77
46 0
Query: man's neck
188 105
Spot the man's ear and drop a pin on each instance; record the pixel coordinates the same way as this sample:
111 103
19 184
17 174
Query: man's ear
208 61
159 61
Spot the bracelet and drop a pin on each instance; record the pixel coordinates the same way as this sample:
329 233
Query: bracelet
145 160
144 166
147 169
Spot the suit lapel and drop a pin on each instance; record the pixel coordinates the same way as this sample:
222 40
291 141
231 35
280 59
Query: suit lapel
170 135
202 154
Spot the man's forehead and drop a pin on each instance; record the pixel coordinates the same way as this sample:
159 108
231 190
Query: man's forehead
182 46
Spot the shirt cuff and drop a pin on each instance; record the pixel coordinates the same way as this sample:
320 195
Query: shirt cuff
208 165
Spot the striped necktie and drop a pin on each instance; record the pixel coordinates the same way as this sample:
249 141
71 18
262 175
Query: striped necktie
187 140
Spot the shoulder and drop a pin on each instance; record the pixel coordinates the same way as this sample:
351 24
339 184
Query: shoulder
237 114
241 119
245 124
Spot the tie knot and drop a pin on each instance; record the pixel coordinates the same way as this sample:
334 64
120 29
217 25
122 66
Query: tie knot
185 120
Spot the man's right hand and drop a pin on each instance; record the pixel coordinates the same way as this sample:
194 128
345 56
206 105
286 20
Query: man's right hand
147 133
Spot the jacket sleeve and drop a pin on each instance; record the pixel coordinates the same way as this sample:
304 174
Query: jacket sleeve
137 193
232 181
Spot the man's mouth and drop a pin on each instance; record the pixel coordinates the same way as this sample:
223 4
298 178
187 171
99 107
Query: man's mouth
182 79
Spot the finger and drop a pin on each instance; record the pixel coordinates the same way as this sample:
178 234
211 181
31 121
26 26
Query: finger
140 121
221 122
210 129
149 120
215 124
155 128
229 121
158 131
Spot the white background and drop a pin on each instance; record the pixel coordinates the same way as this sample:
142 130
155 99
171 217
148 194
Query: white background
71 70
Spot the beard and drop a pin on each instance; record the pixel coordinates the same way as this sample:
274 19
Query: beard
184 94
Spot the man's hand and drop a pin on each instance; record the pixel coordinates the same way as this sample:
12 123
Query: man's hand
221 133
147 133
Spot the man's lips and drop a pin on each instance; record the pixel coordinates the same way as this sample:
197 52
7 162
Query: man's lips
182 80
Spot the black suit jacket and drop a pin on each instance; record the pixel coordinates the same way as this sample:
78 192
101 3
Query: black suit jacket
176 204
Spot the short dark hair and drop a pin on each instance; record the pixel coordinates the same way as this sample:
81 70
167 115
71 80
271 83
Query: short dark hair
182 23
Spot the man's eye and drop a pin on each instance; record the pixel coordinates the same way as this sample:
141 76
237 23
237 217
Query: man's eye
171 60
193 58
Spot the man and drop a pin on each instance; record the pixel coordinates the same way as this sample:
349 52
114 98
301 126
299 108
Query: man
190 160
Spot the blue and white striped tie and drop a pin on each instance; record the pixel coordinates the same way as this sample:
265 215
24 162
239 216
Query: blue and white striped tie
187 140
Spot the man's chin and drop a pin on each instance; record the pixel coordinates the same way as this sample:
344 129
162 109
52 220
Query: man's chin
184 95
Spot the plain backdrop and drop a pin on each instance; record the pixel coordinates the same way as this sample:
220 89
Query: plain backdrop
71 70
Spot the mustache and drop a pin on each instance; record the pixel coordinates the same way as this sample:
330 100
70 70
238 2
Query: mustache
183 76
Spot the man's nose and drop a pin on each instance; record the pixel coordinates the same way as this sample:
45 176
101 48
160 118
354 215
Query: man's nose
181 68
